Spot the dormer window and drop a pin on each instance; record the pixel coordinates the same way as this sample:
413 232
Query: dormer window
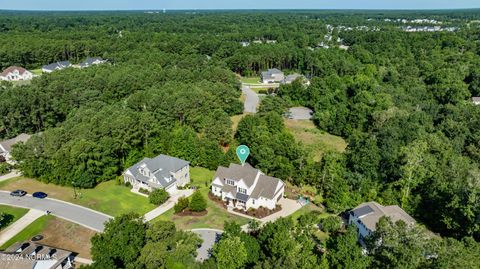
230 182
240 190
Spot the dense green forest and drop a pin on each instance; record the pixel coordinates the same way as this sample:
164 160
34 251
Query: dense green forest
401 100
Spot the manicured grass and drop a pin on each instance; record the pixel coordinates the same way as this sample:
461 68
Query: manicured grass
201 177
14 212
216 215
316 141
250 80
107 197
37 72
30 231
260 90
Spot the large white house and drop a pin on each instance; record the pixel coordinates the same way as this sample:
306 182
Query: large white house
272 76
15 73
245 187
6 146
56 66
160 172
366 216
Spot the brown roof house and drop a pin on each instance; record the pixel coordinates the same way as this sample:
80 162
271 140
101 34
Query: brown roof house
6 146
15 73
366 216
245 187
30 255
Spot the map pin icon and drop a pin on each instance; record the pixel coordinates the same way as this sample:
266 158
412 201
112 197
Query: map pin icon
242 153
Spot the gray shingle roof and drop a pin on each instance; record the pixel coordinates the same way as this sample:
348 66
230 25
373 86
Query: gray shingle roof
371 212
161 167
57 65
7 144
266 187
238 172
89 61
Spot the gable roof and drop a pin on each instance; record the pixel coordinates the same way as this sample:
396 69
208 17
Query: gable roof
57 65
266 186
160 166
292 77
238 172
371 212
11 69
91 60
59 257
7 144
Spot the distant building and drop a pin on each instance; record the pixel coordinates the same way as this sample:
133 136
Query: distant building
366 216
30 255
343 47
56 66
161 172
245 43
291 78
245 187
272 76
476 100
92 61
15 73
6 146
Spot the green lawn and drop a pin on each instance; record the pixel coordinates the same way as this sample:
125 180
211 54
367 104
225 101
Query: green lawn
107 197
37 72
31 230
14 212
250 80
216 215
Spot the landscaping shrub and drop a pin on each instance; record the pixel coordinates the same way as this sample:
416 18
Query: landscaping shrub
144 191
4 168
331 224
158 196
198 202
181 205
128 184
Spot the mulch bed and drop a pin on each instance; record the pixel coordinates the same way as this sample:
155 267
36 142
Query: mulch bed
259 213
187 212
217 200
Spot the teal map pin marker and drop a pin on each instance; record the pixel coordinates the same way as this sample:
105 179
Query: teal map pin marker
242 153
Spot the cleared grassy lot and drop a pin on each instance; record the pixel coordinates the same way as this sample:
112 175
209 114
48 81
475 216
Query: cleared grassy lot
58 233
250 80
14 213
216 215
107 197
315 140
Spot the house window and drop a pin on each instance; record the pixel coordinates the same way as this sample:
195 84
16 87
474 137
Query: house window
240 190
230 182
253 201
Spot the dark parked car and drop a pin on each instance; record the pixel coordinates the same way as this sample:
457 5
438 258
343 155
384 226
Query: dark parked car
18 193
39 194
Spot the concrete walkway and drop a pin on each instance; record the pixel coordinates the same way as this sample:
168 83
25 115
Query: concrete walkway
19 225
10 175
168 204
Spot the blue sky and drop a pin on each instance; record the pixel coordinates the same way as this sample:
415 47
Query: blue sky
234 4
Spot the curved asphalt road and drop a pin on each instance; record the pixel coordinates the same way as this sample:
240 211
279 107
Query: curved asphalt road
78 214
251 101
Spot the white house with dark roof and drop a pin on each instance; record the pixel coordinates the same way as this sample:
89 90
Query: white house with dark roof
245 187
163 171
6 146
49 68
15 73
366 216
272 76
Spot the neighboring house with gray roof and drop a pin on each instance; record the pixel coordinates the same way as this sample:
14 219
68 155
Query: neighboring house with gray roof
161 172
366 216
476 100
245 187
92 61
31 255
291 78
6 146
272 76
55 66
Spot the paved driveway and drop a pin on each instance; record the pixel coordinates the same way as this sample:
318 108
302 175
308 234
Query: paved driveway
251 101
168 204
300 113
210 237
78 214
